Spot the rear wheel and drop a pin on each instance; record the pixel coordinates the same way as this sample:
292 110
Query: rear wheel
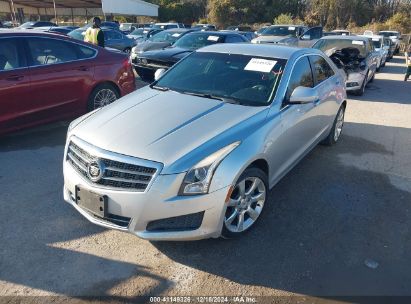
337 128
102 95
246 203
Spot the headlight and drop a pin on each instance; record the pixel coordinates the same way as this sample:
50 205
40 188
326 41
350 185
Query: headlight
198 179
79 120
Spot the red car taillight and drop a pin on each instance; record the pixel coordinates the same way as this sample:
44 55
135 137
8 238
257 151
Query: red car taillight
127 63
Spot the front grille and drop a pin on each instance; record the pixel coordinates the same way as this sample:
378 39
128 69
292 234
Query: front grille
117 220
117 175
180 223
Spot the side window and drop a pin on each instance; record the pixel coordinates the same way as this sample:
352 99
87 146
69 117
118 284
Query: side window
9 55
50 51
85 52
301 76
321 68
171 26
233 39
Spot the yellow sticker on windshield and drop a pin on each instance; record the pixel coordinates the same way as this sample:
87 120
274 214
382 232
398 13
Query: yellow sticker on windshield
260 65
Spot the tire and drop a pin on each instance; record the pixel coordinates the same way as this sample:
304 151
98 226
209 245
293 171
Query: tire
372 78
246 206
361 91
337 128
102 95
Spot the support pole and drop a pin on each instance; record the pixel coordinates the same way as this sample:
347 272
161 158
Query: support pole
13 13
55 12
72 17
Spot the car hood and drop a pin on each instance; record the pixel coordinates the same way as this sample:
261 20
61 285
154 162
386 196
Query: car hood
168 127
168 54
148 46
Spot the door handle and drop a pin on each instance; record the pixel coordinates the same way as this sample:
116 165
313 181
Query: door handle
15 78
83 68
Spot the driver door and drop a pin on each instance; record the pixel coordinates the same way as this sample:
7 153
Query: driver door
299 124
310 37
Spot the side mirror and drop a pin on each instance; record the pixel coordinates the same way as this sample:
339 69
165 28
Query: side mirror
306 37
304 95
159 73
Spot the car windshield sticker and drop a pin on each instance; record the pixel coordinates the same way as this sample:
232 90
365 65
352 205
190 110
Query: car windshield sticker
358 42
213 38
291 28
176 35
260 65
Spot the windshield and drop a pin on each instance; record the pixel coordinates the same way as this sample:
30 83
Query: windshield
330 45
166 36
198 40
389 34
376 43
77 34
252 81
139 32
280 31
27 24
125 26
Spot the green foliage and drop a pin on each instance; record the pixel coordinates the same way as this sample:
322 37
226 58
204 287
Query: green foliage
329 13
284 19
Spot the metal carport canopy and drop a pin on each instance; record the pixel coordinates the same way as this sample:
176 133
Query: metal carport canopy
117 7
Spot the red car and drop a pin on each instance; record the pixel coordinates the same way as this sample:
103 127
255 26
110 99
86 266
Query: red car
48 77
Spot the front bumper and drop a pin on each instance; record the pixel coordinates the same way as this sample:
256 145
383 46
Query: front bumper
159 202
354 81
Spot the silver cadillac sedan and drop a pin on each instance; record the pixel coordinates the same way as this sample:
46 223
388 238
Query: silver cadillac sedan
195 154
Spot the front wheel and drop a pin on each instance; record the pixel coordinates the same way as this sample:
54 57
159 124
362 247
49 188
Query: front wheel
246 203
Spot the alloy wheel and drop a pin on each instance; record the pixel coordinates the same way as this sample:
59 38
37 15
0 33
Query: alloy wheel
339 125
245 205
104 97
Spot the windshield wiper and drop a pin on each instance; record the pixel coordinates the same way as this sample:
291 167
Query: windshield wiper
210 96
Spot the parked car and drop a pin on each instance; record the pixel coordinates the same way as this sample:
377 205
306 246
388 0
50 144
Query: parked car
167 26
249 35
142 34
391 48
381 51
291 35
112 38
47 77
241 28
195 154
64 30
34 24
355 56
395 38
148 63
159 41
261 30
204 27
341 32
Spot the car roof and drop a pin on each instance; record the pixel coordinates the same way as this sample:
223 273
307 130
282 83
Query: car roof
260 50
373 36
34 32
219 33
178 30
289 25
348 37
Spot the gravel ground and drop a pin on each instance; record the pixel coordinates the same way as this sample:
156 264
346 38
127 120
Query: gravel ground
337 225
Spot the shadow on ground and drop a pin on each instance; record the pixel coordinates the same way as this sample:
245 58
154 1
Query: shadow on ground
322 222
